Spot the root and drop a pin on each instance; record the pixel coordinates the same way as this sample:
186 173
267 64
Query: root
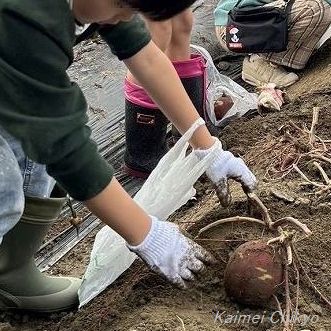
289 254
320 157
305 178
288 303
181 322
312 136
279 239
285 237
297 273
255 200
229 220
323 173
292 150
310 283
293 221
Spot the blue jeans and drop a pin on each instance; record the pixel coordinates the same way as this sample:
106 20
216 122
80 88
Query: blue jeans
19 177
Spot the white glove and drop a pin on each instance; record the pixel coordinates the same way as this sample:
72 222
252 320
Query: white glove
168 252
226 166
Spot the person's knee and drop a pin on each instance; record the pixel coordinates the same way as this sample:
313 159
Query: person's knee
318 9
182 24
181 28
325 14
161 33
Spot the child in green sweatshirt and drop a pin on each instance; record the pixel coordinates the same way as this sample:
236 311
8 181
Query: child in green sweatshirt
45 113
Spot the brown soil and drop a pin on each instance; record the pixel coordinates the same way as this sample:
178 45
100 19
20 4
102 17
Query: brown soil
141 300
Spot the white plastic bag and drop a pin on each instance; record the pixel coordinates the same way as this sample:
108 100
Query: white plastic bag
167 188
218 85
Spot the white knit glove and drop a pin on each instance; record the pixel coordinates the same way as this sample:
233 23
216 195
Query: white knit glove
168 252
226 166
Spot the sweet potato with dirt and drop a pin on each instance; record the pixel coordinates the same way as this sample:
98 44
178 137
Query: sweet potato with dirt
221 106
253 273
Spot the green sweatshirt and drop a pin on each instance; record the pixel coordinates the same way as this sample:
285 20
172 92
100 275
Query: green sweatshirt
224 6
39 104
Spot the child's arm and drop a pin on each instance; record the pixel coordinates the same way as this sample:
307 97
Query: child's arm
154 71
159 243
131 42
116 208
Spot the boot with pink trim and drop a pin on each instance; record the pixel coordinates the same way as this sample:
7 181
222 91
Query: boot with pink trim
146 126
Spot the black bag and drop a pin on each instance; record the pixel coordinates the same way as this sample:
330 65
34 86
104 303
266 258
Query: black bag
258 29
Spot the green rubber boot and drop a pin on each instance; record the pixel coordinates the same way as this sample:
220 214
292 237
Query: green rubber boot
22 285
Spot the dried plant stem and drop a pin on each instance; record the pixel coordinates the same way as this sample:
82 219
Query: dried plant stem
303 176
312 137
181 322
322 172
295 222
229 220
264 210
315 289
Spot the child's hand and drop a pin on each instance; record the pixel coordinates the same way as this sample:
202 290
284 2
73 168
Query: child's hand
226 166
168 252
